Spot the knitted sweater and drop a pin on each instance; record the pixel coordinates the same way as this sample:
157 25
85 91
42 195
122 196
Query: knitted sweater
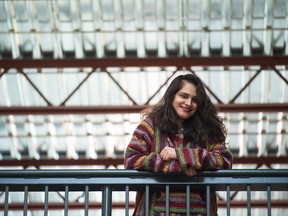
143 153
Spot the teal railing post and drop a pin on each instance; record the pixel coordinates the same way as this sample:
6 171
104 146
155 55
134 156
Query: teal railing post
106 200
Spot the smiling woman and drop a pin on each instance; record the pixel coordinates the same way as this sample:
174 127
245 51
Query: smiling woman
181 134
184 102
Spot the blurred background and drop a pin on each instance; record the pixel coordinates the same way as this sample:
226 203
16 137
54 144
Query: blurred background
75 75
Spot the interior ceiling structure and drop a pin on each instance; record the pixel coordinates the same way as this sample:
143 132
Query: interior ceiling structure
74 75
125 28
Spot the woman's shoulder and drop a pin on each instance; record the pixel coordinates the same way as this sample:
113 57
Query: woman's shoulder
145 126
148 121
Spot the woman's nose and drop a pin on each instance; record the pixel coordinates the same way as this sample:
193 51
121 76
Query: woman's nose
189 102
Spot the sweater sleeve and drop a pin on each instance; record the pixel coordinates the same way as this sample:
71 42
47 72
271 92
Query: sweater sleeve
218 156
140 153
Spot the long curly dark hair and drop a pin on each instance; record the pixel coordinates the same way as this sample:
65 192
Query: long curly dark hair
204 127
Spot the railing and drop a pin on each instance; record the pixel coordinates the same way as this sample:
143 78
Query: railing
107 182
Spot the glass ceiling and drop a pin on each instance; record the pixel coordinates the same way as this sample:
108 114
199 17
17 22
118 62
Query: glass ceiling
142 28
61 29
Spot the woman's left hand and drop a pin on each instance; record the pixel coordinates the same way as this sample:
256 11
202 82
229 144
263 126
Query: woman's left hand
168 153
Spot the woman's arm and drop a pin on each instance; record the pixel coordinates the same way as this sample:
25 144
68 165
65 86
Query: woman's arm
140 153
218 156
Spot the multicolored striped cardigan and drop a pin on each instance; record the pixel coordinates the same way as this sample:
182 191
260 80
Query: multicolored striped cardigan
142 153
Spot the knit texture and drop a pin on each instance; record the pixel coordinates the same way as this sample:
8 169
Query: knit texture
142 153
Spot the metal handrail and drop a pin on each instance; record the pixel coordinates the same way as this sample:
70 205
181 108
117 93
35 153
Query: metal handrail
106 181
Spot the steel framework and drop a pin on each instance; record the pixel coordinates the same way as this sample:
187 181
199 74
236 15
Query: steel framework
264 62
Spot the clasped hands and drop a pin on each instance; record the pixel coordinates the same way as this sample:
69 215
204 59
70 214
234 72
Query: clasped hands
169 153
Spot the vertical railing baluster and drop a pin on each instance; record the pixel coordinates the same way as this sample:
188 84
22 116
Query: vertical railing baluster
269 200
228 200
147 200
248 200
86 200
167 199
6 201
25 201
127 200
66 200
187 200
208 199
46 201
106 200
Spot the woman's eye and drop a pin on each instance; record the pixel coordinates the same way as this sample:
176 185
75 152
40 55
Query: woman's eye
184 96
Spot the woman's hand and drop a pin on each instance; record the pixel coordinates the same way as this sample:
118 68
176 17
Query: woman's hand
168 153
191 172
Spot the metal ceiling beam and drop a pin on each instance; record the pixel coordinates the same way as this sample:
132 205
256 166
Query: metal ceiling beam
263 61
59 110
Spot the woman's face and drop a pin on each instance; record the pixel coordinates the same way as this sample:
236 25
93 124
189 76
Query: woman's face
184 102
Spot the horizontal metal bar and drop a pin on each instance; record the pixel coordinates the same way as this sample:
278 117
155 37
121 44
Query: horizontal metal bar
121 205
140 30
88 173
263 61
118 179
237 183
59 110
120 161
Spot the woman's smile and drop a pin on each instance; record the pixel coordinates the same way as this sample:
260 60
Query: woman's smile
184 102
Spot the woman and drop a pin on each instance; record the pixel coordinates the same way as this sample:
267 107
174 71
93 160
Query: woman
181 134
